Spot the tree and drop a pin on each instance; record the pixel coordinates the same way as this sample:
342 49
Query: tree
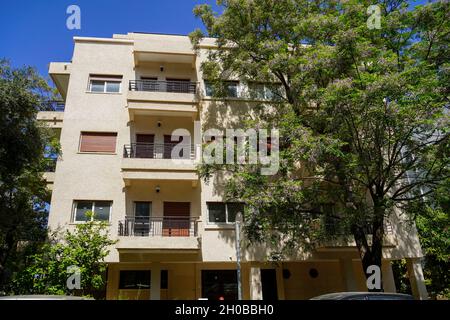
23 144
362 114
83 249
433 224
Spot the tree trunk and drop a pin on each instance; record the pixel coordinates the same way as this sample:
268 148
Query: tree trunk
371 254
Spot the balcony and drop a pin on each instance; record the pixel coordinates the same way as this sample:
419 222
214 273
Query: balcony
162 49
163 98
49 172
50 164
155 161
343 237
158 151
52 113
163 86
60 74
158 227
155 232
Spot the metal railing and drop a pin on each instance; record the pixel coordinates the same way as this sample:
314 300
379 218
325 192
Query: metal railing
163 86
53 106
50 164
158 150
167 226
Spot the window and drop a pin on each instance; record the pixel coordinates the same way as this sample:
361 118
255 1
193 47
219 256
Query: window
98 142
140 279
101 210
265 91
220 212
231 89
209 89
105 84
134 279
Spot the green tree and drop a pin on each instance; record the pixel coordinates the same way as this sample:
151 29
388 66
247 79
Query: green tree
23 145
85 248
433 224
362 110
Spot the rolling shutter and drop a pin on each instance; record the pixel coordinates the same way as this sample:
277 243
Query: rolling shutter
98 142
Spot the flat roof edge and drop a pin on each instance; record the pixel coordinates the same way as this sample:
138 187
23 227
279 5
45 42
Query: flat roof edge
103 40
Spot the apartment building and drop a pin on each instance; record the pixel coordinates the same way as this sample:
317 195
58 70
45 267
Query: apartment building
123 98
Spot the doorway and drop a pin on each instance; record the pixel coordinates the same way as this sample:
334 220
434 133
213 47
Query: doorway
142 212
145 146
269 284
219 284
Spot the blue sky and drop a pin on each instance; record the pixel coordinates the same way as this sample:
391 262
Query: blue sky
34 32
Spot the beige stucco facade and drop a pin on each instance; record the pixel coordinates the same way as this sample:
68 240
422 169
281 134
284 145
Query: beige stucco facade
123 181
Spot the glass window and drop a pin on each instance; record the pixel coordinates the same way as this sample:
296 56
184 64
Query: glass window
257 91
102 210
232 89
220 212
233 209
102 83
112 86
209 89
134 279
82 207
97 86
216 212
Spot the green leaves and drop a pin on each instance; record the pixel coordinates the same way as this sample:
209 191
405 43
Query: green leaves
362 121
86 248
23 145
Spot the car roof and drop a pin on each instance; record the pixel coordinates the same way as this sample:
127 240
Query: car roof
345 295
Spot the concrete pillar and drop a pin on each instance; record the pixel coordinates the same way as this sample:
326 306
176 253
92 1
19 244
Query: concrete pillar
416 278
348 274
255 284
280 282
387 276
155 284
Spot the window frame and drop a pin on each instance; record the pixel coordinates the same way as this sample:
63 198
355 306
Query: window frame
74 211
227 222
105 79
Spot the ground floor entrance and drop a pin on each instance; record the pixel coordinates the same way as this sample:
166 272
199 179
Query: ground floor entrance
218 281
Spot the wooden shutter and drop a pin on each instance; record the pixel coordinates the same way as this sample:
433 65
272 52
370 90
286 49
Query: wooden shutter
98 142
145 145
177 209
176 219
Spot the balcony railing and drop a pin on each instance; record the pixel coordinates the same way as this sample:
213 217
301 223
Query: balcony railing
50 164
163 86
58 106
158 226
158 151
336 227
